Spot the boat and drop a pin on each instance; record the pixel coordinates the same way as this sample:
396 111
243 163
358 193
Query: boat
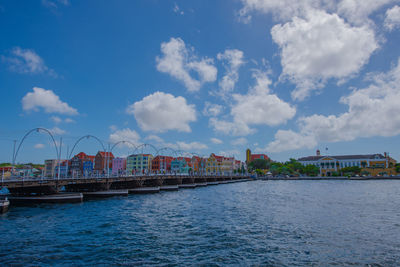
4 204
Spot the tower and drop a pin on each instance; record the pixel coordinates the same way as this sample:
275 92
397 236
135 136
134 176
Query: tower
248 156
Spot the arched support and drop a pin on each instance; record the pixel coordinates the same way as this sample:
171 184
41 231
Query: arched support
83 137
37 130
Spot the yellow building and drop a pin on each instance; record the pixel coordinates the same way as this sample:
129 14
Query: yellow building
213 165
373 164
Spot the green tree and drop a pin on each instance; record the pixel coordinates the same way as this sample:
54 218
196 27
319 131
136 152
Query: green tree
262 164
351 170
311 170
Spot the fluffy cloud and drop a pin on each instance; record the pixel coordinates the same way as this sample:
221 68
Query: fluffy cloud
233 59
354 11
230 128
358 11
179 61
26 61
212 109
229 153
38 146
125 135
216 141
48 100
57 131
319 47
371 112
154 138
258 107
290 140
392 19
191 146
161 112
239 142
58 120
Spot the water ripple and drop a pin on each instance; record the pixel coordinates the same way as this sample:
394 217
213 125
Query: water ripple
264 223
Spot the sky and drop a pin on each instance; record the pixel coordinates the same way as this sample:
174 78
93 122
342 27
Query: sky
280 77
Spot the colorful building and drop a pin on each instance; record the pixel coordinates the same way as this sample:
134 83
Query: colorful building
181 165
118 166
161 164
250 157
138 163
101 160
214 163
370 164
198 164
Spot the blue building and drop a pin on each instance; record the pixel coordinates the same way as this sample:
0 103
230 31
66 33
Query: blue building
180 165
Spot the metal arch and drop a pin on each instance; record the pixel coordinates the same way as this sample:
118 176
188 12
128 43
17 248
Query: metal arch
80 139
182 152
28 133
144 145
123 141
166 148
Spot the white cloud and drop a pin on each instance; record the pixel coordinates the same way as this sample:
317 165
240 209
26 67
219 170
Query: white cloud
177 10
54 4
358 11
354 11
371 112
392 19
46 99
38 146
191 146
230 153
57 131
258 107
319 47
234 59
131 136
69 120
26 61
216 141
212 109
161 112
56 119
230 128
155 138
239 141
179 61
289 140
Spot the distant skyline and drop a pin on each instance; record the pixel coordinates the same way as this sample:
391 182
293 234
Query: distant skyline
280 77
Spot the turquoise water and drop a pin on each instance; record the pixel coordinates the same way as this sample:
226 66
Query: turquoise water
272 223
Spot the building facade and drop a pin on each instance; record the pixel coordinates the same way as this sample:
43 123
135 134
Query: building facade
250 157
118 166
139 163
373 164
101 159
161 164
181 165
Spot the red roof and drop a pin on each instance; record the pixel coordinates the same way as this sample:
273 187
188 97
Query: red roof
105 154
259 156
81 155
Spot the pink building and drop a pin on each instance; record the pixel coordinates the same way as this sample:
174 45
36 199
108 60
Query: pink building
118 166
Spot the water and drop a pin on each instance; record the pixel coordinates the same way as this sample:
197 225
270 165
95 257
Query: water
268 223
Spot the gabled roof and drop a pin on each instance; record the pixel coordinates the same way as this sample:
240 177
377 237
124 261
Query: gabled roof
81 155
105 154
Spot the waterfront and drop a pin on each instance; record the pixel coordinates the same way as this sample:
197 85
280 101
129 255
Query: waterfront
253 223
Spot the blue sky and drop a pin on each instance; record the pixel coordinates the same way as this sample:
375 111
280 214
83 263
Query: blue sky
279 77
